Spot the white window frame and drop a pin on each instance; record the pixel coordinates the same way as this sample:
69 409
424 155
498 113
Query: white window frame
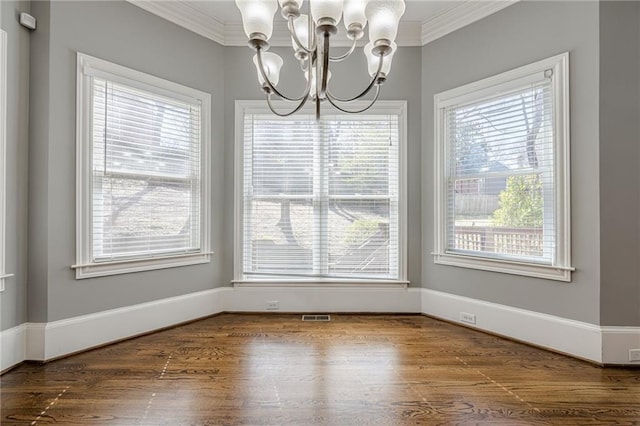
3 158
243 107
87 68
560 268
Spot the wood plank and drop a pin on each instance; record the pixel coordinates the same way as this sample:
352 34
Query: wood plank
356 369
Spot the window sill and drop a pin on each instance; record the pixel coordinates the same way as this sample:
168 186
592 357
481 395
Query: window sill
92 270
2 279
549 272
322 283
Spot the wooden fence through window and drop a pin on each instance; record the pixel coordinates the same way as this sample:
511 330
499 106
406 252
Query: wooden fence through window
517 241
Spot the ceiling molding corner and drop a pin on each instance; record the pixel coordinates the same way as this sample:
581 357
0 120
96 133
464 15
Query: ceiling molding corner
180 13
234 34
410 34
460 16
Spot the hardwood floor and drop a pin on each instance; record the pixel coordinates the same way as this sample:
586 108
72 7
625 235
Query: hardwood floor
355 370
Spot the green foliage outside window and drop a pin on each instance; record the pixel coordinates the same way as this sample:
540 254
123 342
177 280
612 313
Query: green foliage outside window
521 204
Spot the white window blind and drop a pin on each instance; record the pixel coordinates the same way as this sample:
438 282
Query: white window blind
321 198
500 184
502 172
142 191
146 173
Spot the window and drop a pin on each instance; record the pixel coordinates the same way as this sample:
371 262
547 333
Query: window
320 200
502 173
142 176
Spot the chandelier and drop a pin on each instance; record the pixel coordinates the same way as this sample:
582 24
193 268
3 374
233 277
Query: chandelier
311 39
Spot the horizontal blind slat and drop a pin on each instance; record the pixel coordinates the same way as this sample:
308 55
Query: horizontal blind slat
146 171
320 198
500 182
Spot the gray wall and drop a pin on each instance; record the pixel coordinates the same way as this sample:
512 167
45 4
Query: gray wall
39 111
13 299
516 36
125 34
619 160
348 77
147 43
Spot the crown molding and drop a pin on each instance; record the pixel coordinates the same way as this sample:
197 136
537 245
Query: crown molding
461 15
180 13
411 33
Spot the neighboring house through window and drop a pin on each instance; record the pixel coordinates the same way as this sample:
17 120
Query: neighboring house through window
502 172
320 200
142 178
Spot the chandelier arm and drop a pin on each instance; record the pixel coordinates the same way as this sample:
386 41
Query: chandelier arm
325 66
286 114
365 91
296 39
312 33
373 101
346 55
270 85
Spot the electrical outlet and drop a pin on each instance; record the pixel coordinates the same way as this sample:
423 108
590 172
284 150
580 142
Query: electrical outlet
634 354
273 305
468 318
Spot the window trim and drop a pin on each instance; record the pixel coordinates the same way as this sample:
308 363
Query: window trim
88 66
243 107
560 270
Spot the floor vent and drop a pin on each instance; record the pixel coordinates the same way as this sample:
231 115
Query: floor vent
316 318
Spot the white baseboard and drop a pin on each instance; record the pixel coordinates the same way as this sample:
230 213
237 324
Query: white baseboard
45 341
616 343
36 340
12 346
606 345
59 338
324 299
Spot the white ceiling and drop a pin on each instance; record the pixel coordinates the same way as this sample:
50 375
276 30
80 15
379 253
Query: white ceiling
423 21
